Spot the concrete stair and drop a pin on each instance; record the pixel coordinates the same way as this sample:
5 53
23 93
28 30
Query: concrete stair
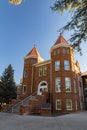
35 105
16 107
32 104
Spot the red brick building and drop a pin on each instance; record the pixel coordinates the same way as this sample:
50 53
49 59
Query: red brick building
59 77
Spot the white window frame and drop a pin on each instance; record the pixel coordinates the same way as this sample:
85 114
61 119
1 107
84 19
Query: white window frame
58 104
58 84
66 65
57 65
68 107
68 81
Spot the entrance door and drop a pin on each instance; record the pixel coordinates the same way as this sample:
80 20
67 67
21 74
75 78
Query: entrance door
42 87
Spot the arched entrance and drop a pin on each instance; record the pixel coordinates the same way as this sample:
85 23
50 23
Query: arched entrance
42 87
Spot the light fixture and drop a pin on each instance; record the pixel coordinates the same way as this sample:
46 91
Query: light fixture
15 2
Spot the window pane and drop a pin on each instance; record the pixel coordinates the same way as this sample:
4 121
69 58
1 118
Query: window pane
25 73
57 65
64 51
44 70
54 53
58 104
58 51
69 104
68 84
66 65
40 71
58 84
67 51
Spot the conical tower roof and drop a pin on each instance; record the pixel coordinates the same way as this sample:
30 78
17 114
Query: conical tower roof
34 53
60 39
60 42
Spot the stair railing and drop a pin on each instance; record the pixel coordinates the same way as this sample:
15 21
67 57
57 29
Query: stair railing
22 101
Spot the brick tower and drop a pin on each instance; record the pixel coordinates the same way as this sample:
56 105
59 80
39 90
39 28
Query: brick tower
30 59
64 81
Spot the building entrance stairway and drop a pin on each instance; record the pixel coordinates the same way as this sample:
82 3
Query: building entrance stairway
33 104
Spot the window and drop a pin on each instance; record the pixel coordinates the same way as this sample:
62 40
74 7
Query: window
65 51
24 89
58 104
54 53
58 51
25 73
58 84
34 61
57 65
69 104
66 65
68 84
44 70
40 71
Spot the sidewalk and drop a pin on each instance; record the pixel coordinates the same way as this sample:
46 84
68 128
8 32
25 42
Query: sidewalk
66 122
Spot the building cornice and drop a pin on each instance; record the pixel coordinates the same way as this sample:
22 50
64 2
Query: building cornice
60 45
42 63
30 56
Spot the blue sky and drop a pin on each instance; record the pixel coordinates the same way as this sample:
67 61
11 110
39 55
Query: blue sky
22 26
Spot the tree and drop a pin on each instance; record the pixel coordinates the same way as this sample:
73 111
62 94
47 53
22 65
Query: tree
8 85
78 22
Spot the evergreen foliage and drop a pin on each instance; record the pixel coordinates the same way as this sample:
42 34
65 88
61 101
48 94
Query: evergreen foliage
78 22
7 85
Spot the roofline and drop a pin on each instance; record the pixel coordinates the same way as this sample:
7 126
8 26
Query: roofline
60 45
84 73
42 63
30 56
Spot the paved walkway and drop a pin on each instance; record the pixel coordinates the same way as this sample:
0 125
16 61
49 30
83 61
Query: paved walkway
67 122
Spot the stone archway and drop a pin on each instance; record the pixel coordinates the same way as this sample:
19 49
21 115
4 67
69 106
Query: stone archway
42 87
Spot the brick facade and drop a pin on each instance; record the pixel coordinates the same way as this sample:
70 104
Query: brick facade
59 76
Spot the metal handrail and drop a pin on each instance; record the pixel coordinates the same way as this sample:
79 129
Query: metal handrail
21 102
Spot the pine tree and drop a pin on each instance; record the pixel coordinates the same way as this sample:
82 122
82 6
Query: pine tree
78 22
8 85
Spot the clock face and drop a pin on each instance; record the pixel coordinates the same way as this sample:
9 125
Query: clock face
15 2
